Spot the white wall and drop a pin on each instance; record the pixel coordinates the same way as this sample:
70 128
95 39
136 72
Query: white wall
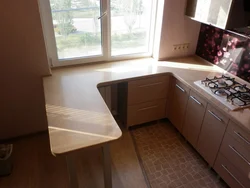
177 29
23 63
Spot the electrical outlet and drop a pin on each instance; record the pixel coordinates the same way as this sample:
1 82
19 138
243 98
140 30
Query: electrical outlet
181 47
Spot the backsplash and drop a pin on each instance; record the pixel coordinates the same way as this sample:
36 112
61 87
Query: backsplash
227 50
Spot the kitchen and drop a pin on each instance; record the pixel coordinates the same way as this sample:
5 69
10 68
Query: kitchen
67 133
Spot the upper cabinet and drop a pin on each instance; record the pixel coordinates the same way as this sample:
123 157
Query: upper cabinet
225 14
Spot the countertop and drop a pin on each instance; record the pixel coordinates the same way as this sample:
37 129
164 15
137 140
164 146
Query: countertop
78 116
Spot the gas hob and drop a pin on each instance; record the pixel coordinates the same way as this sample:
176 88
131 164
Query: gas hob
228 91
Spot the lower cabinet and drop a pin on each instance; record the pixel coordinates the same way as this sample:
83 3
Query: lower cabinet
229 173
178 103
223 144
233 161
211 134
105 92
195 112
145 112
143 100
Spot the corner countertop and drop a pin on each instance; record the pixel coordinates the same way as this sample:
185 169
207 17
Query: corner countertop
77 114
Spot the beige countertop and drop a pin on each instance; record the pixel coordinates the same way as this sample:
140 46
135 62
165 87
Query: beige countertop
78 116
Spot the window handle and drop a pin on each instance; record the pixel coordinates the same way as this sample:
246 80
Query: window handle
104 14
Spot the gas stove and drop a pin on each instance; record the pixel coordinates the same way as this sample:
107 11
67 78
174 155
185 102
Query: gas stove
228 91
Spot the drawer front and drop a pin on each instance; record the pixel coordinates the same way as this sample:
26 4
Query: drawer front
236 154
230 174
147 89
145 112
242 136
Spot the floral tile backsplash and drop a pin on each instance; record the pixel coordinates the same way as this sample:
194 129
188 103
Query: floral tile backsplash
225 49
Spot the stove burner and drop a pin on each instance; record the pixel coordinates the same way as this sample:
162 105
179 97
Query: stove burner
245 97
241 88
229 82
221 92
212 85
222 82
238 102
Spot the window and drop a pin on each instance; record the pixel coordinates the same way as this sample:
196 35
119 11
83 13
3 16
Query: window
80 31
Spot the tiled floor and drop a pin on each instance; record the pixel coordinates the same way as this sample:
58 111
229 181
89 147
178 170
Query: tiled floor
169 161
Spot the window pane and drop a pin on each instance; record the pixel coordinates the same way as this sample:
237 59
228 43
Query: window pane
130 26
77 27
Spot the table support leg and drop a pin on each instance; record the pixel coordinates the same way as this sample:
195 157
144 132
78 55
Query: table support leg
72 172
107 166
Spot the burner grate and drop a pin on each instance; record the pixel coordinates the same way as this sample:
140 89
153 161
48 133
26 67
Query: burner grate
224 86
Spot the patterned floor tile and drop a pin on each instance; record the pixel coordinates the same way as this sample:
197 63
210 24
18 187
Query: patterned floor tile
169 161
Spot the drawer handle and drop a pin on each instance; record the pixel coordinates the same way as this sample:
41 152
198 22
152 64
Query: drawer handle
232 175
148 85
241 156
242 138
213 114
147 108
183 90
198 102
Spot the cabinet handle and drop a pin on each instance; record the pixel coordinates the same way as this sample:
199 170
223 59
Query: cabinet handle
241 156
232 176
183 90
147 85
198 102
242 138
147 108
213 114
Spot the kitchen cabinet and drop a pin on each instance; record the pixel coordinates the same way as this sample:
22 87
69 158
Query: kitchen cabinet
225 14
146 112
211 134
229 173
194 115
147 89
233 161
143 100
178 102
105 92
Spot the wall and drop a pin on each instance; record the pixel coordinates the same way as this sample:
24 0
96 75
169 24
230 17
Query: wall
177 29
228 50
23 63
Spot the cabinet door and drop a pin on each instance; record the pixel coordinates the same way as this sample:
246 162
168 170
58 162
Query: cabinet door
178 103
212 131
195 113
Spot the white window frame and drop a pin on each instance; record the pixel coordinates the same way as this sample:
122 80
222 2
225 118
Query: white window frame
50 40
